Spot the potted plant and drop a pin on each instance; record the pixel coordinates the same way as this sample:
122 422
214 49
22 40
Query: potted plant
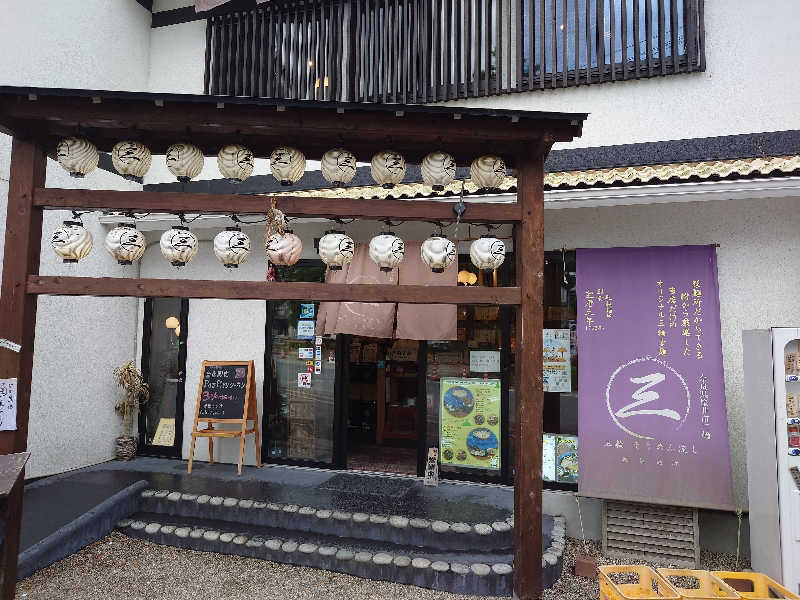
136 393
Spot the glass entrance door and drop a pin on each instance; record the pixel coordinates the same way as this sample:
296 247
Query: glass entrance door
163 367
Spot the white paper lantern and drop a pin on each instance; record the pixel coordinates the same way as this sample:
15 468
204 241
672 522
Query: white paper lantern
284 250
438 253
71 241
488 172
338 166
438 170
487 252
232 247
185 161
388 168
235 162
131 159
78 156
386 250
287 164
179 245
336 249
125 243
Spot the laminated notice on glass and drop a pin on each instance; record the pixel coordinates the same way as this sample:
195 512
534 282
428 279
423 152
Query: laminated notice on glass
469 423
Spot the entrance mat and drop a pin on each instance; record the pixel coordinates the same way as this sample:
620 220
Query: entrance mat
369 485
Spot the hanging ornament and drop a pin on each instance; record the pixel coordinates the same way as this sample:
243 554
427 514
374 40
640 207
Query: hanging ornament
185 161
487 252
386 250
78 156
235 162
388 168
488 172
125 243
287 164
232 247
338 166
438 252
284 249
179 245
336 249
71 241
438 170
131 159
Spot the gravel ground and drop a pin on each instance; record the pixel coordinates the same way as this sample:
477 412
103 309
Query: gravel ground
119 567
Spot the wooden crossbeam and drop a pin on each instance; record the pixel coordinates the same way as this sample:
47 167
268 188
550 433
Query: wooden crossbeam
293 206
273 290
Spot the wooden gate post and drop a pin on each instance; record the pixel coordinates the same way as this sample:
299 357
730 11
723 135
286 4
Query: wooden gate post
18 320
529 254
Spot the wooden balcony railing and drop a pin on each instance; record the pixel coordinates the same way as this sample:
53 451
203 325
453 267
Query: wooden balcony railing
421 51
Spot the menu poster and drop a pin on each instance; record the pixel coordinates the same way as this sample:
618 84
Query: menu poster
566 454
556 369
469 423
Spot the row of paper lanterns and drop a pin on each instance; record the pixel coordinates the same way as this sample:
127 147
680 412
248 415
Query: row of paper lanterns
72 242
132 159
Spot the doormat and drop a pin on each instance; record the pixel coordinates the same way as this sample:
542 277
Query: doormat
367 484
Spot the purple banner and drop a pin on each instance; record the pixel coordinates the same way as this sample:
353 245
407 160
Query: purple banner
652 420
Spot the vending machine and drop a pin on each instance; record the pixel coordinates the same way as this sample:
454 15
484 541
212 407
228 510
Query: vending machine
772 417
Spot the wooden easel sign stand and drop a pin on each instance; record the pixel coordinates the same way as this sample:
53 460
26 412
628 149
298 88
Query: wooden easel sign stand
226 394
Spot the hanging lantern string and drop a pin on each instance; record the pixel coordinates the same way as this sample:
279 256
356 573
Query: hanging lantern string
343 221
389 223
76 214
459 208
236 219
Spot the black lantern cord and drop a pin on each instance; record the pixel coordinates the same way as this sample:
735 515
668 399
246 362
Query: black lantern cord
237 219
343 221
77 214
389 223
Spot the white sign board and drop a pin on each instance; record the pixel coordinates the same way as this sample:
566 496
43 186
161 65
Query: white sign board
8 404
556 360
484 361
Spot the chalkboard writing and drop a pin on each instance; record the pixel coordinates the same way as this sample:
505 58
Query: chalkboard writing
223 391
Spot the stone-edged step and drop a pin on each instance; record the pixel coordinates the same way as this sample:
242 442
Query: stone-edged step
394 529
393 563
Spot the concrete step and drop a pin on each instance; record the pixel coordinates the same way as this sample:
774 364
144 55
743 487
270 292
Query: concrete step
394 529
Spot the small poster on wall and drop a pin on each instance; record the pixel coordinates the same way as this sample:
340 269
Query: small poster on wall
304 380
469 423
165 432
305 330
306 311
556 363
484 361
8 404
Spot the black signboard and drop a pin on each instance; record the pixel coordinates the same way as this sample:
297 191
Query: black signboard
223 391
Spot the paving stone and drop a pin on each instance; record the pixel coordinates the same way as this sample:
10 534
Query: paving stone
341 516
216 501
203 499
138 525
189 497
381 558
245 504
273 544
501 526
419 523
363 557
460 528
168 529
291 508
255 542
229 502
289 546
420 563
161 494
211 536
327 550
307 548
480 569
502 569
345 554
259 505
550 558
182 532
274 506
324 513
483 529
152 528
147 493
197 533
306 510
459 569
440 526
398 522
378 519
227 537
440 566
122 523
402 561
360 517
174 496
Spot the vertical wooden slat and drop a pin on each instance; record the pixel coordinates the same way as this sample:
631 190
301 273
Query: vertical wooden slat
23 240
529 255
623 10
498 46
338 63
436 49
519 29
269 56
249 63
384 56
357 51
510 51
459 48
661 37
637 40
601 39
328 51
648 27
532 41
447 53
554 43
217 57
675 51
405 50
588 41
415 50
237 71
469 45
701 38
542 38
260 55
612 39
315 54
577 40
375 34
304 52
689 16
207 74
226 90
396 51
487 46
564 27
